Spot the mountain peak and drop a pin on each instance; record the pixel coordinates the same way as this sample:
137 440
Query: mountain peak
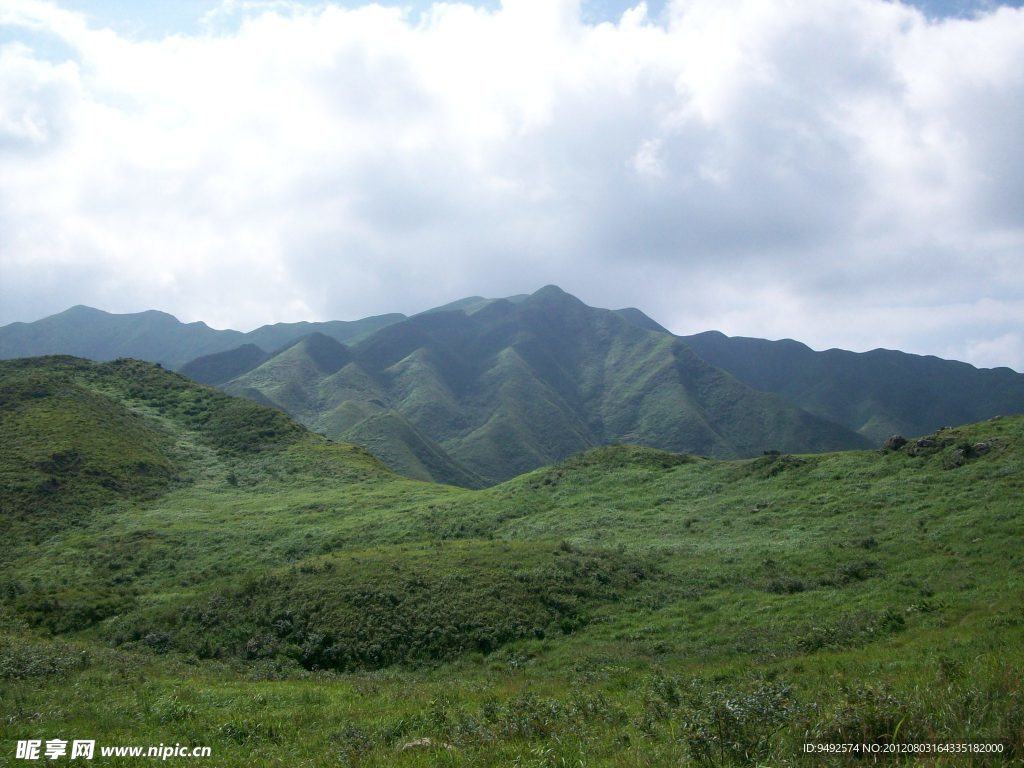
550 291
553 296
80 309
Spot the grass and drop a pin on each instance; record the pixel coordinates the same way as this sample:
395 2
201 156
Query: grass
287 601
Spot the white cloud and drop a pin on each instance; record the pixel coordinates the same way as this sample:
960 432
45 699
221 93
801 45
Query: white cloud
1004 350
769 167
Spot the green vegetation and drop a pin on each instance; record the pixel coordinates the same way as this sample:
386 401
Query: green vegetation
222 367
878 393
286 600
393 439
481 391
393 605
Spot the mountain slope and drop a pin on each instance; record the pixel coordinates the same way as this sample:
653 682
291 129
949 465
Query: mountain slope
80 436
317 382
221 367
393 439
509 386
638 318
68 449
877 393
291 378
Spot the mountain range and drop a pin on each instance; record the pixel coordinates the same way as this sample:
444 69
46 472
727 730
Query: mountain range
481 390
158 337
878 393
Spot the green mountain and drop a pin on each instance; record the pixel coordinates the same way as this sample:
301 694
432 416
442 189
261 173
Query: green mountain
638 318
86 332
221 367
397 442
157 336
878 393
183 567
494 388
274 337
480 390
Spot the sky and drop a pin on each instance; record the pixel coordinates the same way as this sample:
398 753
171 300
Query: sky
847 173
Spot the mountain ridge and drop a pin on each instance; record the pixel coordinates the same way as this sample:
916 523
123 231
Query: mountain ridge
876 393
509 386
159 337
482 389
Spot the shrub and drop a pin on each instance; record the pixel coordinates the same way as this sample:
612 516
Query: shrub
722 726
392 610
25 659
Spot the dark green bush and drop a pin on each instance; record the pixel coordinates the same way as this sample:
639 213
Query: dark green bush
331 615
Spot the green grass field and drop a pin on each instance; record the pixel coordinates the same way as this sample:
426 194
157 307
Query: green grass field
184 567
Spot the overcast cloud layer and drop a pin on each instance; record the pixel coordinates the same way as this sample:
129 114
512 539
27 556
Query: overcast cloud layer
844 172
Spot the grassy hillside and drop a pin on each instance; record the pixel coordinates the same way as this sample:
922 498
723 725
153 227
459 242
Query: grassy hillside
80 437
878 393
68 448
400 445
287 601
